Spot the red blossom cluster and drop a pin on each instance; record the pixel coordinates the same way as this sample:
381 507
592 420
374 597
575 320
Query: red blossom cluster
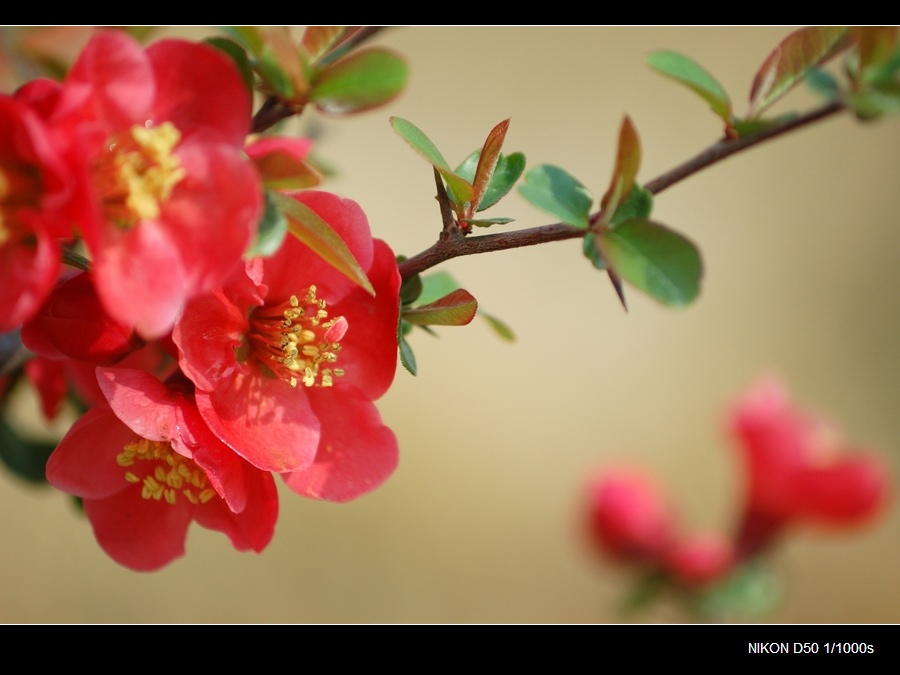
797 472
206 371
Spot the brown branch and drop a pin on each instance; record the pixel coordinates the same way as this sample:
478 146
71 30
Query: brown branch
723 149
445 249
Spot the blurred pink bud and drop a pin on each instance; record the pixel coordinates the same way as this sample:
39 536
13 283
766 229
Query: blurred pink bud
628 517
698 559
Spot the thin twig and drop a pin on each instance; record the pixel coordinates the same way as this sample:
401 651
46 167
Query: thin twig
444 249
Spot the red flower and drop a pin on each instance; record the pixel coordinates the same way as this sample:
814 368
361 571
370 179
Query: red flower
72 323
289 356
147 466
797 470
168 201
34 190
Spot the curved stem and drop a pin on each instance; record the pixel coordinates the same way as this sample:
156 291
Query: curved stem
446 248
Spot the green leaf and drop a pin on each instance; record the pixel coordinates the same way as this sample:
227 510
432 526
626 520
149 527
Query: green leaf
498 326
282 171
752 590
437 285
235 51
655 259
361 81
308 227
24 458
823 83
508 170
873 103
458 308
410 289
249 36
750 127
638 204
554 190
592 251
273 74
407 358
461 189
687 71
791 60
486 222
271 230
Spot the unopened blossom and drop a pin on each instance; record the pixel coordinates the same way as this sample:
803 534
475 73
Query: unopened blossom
628 516
289 356
798 469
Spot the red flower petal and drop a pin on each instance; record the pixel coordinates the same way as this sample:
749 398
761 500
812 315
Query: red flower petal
356 453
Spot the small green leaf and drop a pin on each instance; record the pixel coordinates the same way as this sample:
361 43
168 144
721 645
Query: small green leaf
461 189
458 308
823 83
749 127
645 591
508 170
272 73
791 60
638 204
659 261
437 285
249 36
498 326
592 251
687 71
24 458
554 190
752 590
235 51
308 227
283 171
361 81
410 289
873 103
271 230
486 222
407 358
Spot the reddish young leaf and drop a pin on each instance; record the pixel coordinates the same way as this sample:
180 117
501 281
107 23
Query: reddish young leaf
454 309
791 60
628 161
318 41
487 162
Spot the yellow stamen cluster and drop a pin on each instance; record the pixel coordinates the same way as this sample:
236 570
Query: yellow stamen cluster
173 473
297 341
20 186
138 172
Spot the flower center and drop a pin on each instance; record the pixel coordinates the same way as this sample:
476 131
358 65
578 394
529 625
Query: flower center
138 172
20 186
165 474
297 341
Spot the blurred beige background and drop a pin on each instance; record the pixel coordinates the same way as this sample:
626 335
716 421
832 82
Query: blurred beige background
480 522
